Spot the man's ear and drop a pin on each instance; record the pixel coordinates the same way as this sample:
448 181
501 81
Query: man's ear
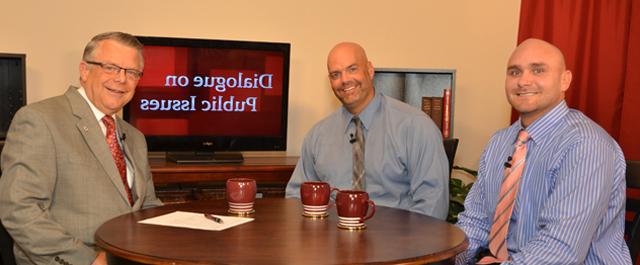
84 71
370 69
565 81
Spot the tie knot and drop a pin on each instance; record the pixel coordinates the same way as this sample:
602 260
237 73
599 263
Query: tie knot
523 137
108 121
356 121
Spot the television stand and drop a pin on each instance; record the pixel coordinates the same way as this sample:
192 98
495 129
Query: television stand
205 158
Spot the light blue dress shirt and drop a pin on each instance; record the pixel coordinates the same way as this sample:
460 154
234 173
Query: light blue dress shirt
405 163
570 206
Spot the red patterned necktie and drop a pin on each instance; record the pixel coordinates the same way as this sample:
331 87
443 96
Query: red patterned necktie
116 152
506 200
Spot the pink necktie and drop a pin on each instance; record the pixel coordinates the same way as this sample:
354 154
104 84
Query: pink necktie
116 152
506 200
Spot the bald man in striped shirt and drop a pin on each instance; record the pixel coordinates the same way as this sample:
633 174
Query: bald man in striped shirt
568 200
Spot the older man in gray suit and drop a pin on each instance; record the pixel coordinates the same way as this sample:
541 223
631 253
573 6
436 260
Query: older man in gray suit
69 164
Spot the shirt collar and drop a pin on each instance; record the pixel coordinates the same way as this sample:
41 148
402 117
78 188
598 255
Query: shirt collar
367 114
540 128
96 112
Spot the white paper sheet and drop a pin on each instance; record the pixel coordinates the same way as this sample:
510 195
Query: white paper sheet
195 221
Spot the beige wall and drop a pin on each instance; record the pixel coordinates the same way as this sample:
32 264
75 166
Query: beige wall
473 37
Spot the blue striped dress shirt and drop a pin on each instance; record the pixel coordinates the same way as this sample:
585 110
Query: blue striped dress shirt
570 206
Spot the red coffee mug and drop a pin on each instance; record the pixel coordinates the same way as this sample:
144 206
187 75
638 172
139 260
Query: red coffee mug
315 193
241 190
354 203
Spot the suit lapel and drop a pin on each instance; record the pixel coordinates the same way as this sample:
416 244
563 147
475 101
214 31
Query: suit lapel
94 138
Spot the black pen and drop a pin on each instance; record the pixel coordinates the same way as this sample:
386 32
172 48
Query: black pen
213 218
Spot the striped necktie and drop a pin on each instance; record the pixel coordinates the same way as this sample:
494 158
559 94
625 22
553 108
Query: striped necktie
358 156
117 154
506 200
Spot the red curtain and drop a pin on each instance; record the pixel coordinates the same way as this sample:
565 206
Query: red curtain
601 44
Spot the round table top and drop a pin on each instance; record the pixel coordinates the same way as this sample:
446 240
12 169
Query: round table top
281 235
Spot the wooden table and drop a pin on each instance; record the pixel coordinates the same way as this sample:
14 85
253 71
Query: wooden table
281 235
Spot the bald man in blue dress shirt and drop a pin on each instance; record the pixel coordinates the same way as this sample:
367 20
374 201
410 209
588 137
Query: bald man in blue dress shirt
570 205
405 165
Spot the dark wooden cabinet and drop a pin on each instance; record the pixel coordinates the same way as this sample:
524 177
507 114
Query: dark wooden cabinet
176 183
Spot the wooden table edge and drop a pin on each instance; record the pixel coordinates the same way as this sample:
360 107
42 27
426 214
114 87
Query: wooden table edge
127 255
145 259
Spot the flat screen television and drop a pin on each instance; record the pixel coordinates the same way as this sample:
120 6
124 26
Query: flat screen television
198 97
12 88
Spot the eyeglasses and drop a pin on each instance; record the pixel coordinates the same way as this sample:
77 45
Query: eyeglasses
113 69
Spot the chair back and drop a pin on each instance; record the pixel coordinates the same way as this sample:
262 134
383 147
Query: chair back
6 247
6 242
450 147
632 229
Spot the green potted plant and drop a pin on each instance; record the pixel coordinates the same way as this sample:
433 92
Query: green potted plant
458 190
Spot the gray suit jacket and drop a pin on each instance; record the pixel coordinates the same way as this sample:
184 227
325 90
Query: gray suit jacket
59 181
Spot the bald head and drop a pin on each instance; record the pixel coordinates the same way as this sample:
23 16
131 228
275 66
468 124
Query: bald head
351 76
544 50
537 79
347 49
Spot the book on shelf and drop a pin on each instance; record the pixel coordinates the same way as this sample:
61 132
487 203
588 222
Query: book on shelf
432 106
446 114
436 111
426 105
439 109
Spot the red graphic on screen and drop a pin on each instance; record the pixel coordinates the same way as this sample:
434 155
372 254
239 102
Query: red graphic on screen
209 92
